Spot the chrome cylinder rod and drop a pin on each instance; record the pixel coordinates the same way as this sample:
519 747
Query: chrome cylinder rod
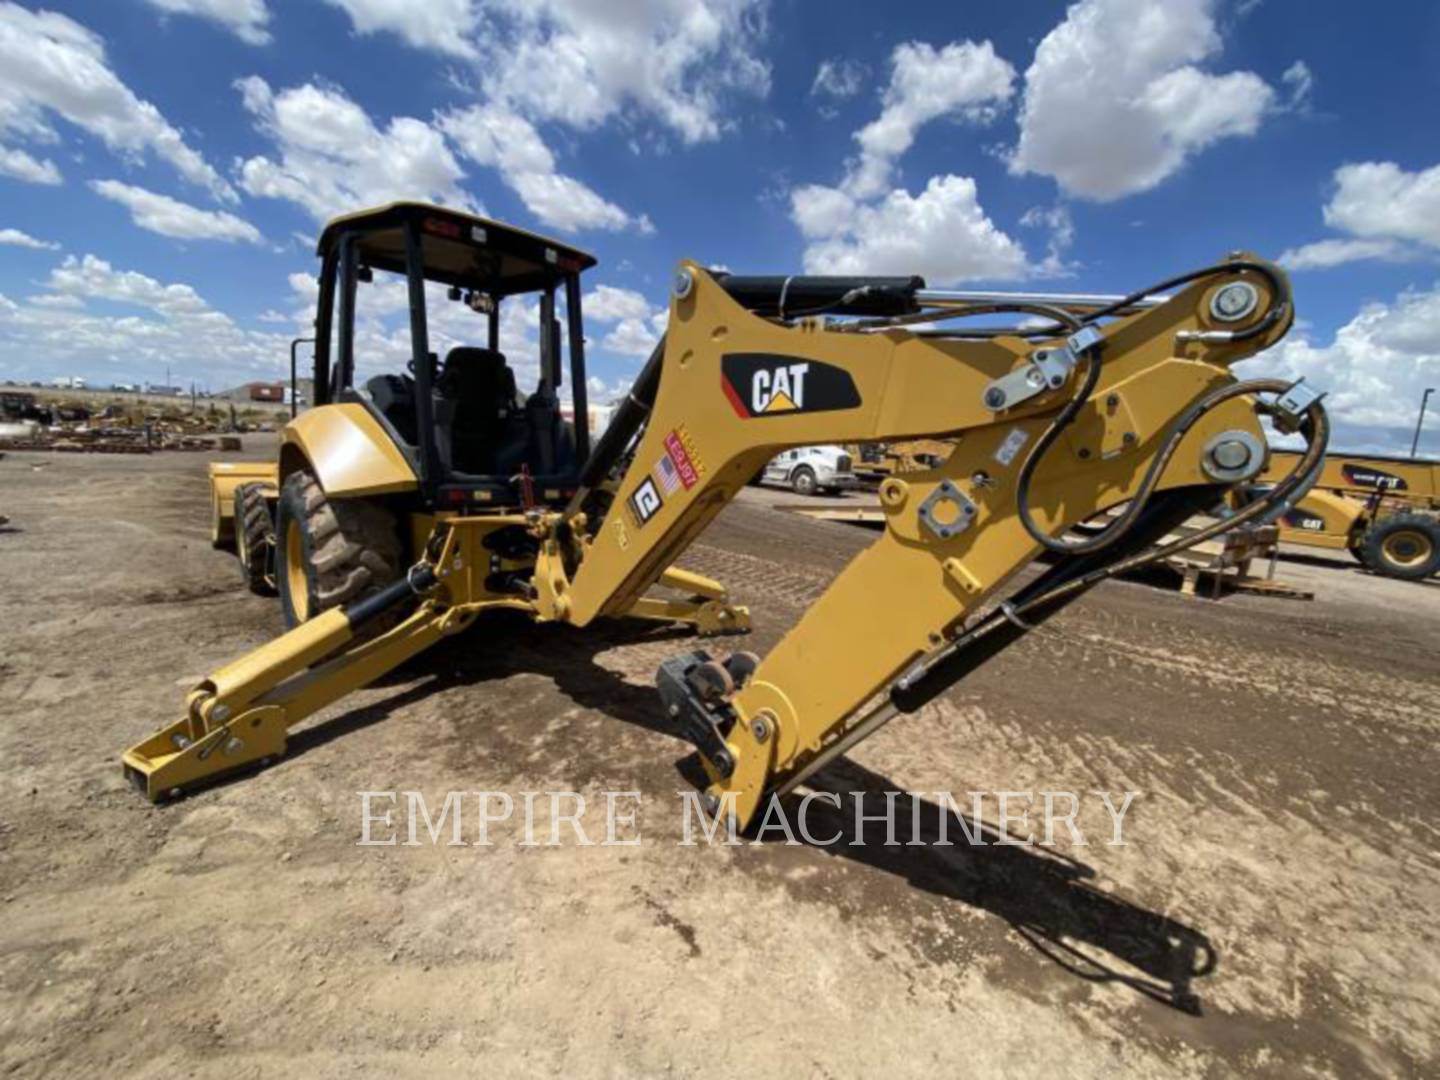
1086 301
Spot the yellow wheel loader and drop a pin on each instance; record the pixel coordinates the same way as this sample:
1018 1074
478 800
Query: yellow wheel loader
408 504
1385 511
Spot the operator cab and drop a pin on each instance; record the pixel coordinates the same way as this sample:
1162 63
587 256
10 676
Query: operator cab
412 299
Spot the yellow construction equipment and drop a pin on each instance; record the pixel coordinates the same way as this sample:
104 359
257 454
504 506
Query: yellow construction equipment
1383 510
875 461
406 506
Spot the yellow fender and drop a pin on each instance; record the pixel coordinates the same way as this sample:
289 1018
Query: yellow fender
348 450
225 477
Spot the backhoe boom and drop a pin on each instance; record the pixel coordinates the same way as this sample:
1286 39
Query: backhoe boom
732 390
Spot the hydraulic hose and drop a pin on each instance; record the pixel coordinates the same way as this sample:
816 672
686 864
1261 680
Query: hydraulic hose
1317 432
1012 618
1279 295
1279 299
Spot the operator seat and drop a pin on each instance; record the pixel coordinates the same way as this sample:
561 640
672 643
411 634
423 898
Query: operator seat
550 438
394 396
487 433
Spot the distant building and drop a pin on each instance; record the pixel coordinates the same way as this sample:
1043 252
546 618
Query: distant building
267 392
68 382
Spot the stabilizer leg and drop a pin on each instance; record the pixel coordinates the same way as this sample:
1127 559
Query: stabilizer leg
706 607
238 717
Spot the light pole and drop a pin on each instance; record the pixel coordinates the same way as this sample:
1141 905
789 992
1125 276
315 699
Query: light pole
294 398
1420 421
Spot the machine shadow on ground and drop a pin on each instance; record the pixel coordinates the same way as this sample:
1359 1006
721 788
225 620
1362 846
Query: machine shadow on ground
1043 895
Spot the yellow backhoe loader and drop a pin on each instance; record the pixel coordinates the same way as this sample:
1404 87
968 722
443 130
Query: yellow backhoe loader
1382 510
406 506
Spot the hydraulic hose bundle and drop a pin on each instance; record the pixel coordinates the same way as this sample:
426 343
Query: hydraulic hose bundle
1279 299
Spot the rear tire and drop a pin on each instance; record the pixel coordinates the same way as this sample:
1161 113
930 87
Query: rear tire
1403 546
255 539
803 481
330 552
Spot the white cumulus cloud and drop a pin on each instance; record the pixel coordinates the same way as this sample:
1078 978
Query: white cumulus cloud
171 217
1387 212
54 66
1301 82
1323 254
941 233
635 337
634 324
607 303
16 163
92 276
864 226
168 325
1379 199
835 80
442 25
1114 100
963 79
18 238
494 136
246 19
578 62
331 158
1374 369
681 62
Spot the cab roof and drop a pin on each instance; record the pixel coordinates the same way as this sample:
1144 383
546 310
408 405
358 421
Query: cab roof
459 248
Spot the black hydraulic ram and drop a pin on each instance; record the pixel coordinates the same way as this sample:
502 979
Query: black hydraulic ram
419 580
623 426
795 296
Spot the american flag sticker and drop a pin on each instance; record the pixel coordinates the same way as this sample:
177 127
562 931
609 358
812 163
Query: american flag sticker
667 475
678 458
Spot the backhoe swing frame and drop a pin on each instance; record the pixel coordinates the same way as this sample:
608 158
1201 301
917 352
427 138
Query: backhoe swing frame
724 392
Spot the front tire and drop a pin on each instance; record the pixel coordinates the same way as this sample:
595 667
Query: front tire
1403 546
803 482
330 552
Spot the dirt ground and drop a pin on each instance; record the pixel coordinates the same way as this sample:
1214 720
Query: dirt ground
1272 912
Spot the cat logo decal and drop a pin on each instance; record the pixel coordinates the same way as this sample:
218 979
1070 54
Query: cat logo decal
766 384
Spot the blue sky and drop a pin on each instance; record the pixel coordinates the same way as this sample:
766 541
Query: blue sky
165 164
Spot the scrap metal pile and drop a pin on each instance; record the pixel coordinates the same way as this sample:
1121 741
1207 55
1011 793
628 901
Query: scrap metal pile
114 431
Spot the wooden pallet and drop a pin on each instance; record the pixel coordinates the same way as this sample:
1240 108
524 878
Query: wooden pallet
1226 560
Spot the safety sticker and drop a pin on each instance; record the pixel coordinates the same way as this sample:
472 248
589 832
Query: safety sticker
679 456
1011 446
645 503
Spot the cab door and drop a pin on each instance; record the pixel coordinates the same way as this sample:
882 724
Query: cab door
777 471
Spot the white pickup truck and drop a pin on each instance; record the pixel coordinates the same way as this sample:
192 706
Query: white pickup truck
810 470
